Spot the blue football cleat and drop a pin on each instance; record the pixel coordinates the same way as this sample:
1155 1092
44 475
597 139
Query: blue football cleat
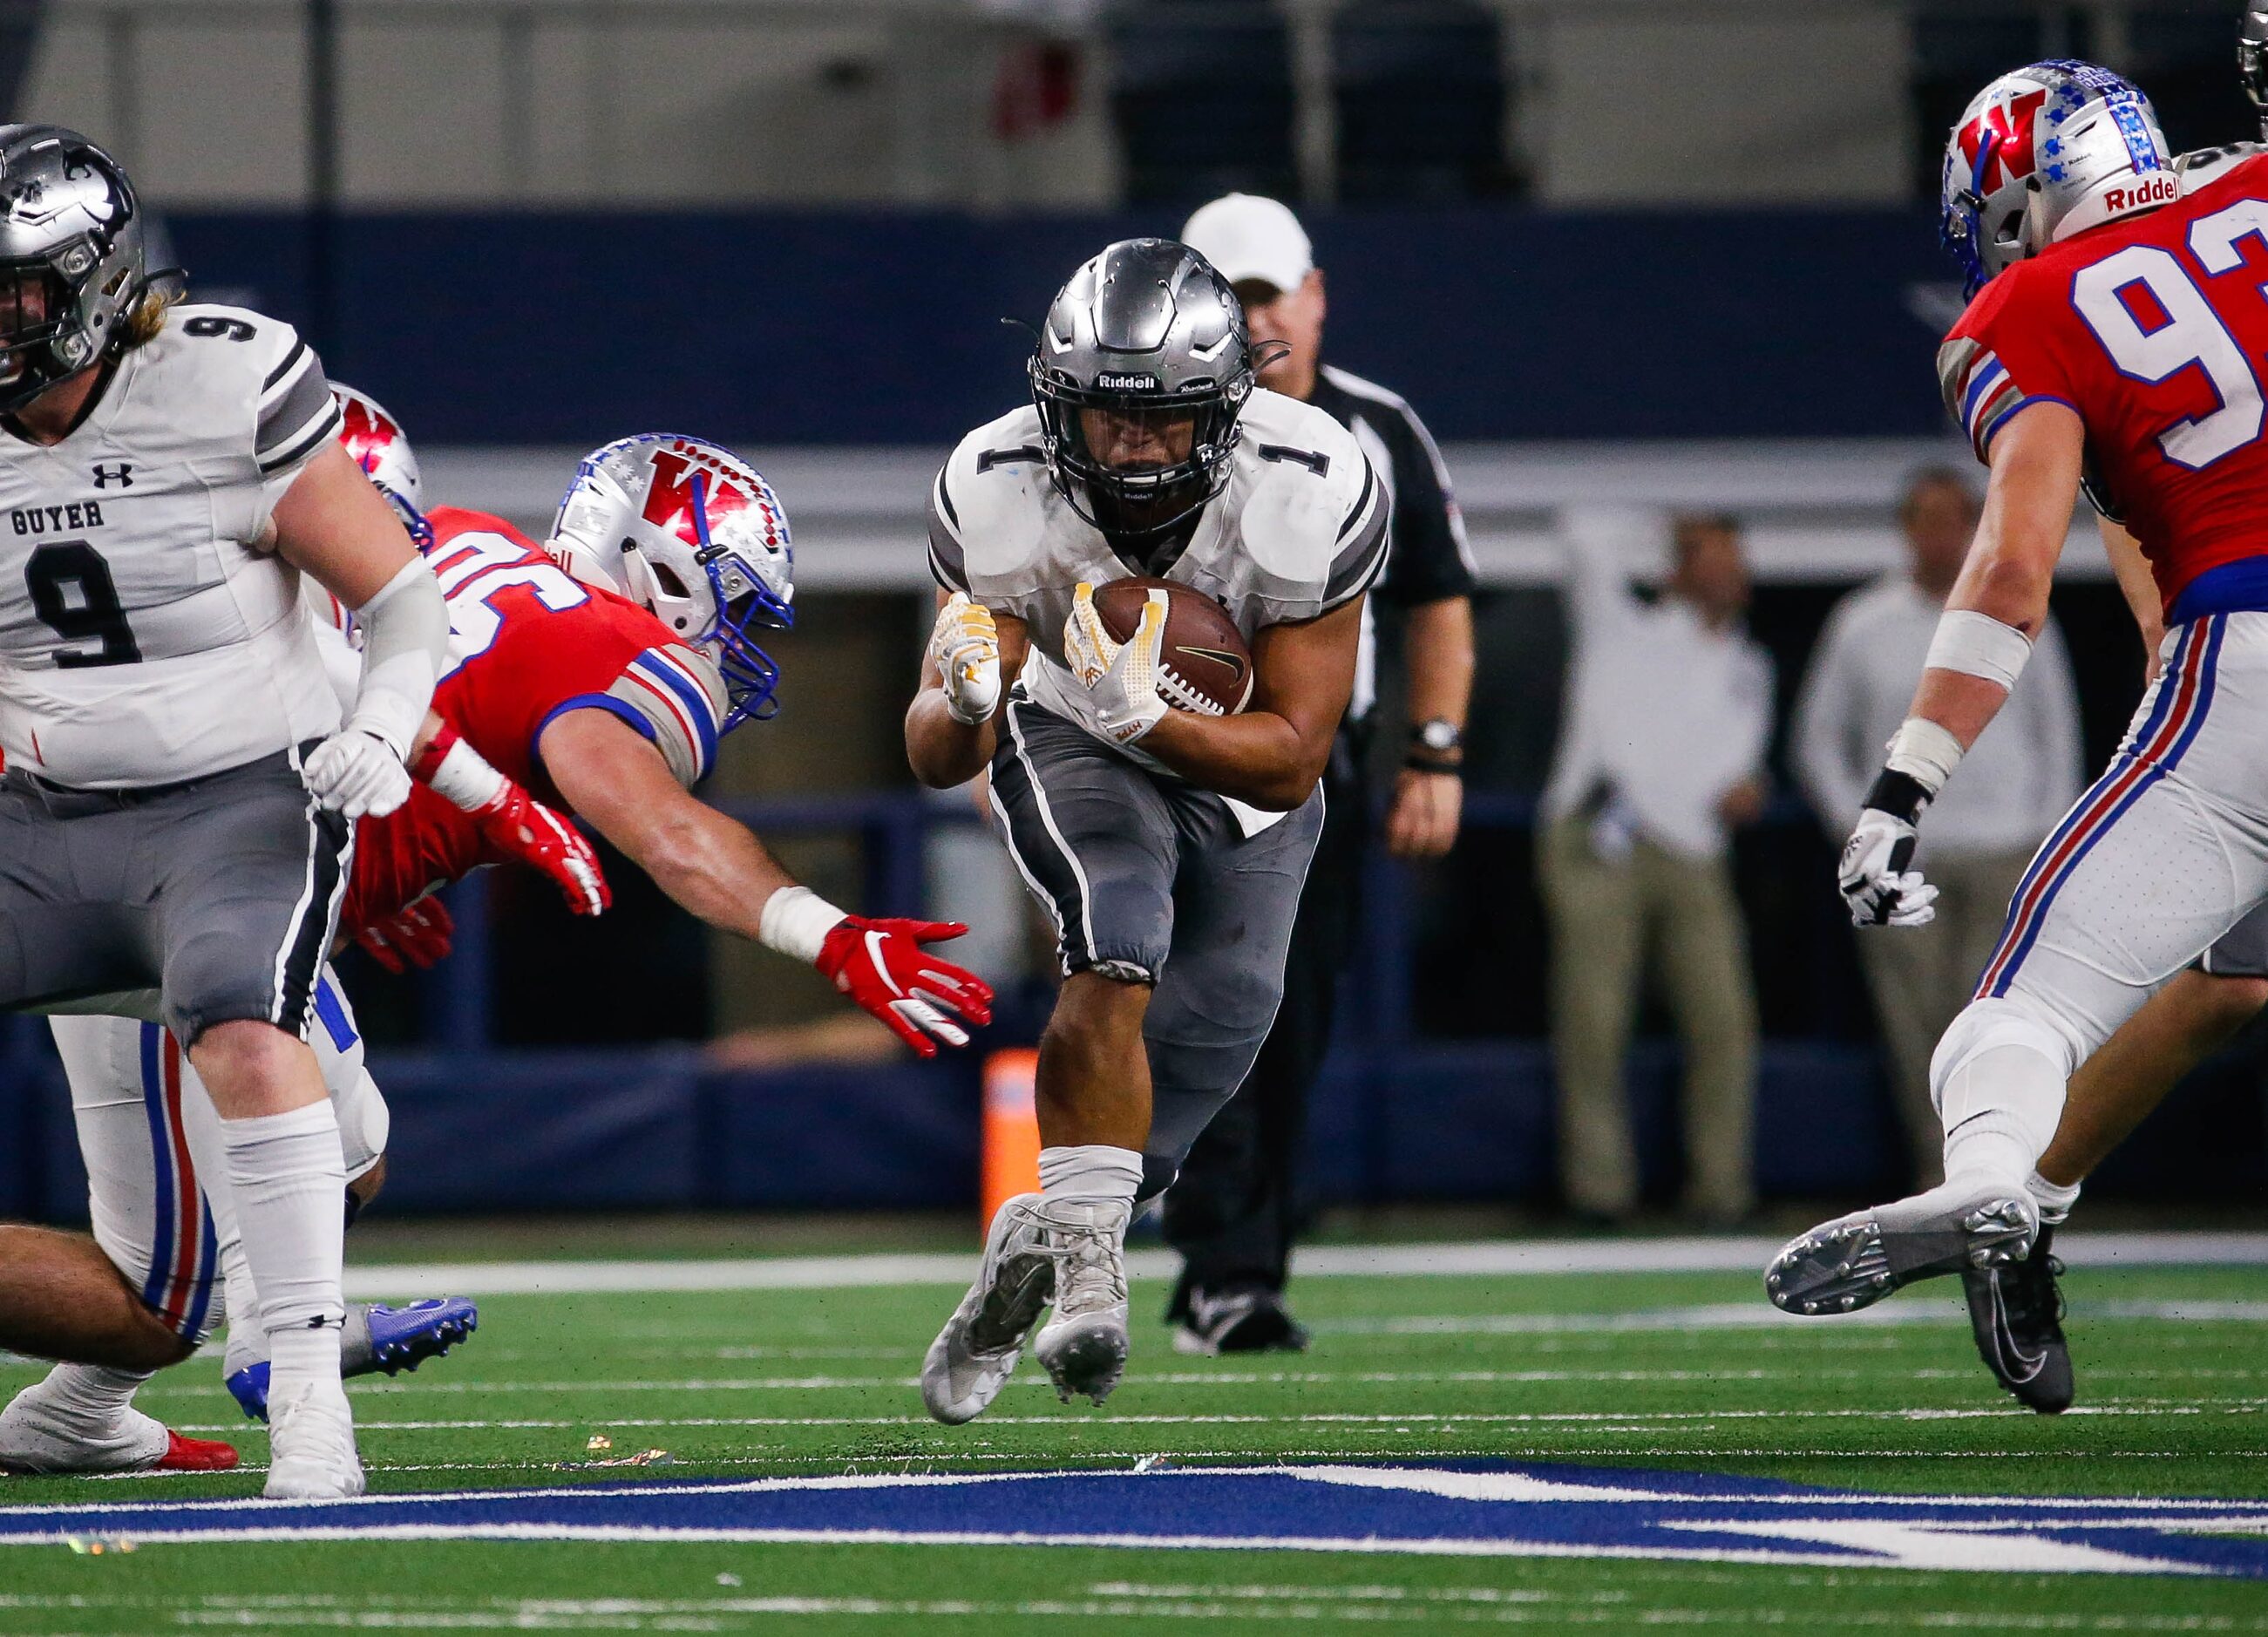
377 1339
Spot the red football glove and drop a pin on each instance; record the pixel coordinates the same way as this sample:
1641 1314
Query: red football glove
882 966
418 936
512 822
517 825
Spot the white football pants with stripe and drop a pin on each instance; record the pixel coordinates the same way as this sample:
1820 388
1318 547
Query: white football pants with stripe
2157 859
157 1176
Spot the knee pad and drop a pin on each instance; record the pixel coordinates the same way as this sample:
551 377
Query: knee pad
2007 1056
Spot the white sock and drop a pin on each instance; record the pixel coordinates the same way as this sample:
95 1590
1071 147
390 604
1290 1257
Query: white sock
1091 1173
91 1399
2054 1200
2001 1107
288 1179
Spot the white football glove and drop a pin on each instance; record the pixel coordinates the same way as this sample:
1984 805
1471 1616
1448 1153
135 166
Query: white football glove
965 643
1120 678
1876 884
356 774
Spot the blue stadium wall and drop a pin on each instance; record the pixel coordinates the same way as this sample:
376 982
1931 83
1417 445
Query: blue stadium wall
829 329
658 1130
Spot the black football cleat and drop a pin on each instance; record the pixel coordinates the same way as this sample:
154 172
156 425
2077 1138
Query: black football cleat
2015 1311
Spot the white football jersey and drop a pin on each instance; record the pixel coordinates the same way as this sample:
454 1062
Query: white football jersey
143 640
1300 530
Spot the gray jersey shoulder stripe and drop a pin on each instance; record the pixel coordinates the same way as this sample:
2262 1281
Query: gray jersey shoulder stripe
286 416
948 564
326 426
1362 503
1357 563
290 362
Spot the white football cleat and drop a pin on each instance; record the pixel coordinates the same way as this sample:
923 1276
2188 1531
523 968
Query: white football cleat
311 1443
1084 1343
976 1352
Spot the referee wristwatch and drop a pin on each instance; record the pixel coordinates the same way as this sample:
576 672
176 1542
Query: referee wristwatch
1437 746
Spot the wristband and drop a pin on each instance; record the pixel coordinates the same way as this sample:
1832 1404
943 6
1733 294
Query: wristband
795 921
1977 644
1420 764
1900 795
457 772
1924 752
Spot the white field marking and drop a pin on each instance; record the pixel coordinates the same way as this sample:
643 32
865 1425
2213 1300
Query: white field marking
1402 1423
1121 1600
2010 1557
1178 1378
1488 1257
1917 1309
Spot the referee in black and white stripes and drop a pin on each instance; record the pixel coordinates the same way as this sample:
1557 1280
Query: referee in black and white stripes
1234 1211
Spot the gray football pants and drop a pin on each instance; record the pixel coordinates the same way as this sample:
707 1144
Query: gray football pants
223 893
1152 880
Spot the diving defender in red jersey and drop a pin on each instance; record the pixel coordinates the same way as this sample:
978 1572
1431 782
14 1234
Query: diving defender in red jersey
597 675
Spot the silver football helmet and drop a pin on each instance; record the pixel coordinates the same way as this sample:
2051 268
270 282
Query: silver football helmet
1142 368
694 535
381 448
70 257
2042 153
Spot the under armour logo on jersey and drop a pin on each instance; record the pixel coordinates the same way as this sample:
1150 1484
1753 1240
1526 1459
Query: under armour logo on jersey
122 474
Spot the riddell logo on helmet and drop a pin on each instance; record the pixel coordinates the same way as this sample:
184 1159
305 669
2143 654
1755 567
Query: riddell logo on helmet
1127 383
2159 189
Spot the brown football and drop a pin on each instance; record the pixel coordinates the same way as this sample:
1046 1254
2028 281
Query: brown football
1208 669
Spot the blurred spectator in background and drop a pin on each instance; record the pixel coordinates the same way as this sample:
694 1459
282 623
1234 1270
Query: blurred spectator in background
1981 831
1660 754
1235 1209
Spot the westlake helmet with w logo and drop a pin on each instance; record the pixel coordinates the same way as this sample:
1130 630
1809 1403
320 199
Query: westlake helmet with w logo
696 536
2045 153
375 441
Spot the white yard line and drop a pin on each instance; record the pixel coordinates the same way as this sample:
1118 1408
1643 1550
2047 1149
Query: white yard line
1486 1258
1408 1422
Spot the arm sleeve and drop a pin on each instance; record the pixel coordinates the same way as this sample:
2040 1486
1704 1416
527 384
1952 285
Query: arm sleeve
948 563
2009 351
1361 551
296 415
1431 559
1822 745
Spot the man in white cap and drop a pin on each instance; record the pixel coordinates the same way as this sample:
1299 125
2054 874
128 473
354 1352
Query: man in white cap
1233 1211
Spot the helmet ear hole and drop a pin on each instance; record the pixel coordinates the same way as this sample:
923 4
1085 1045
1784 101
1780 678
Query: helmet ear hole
665 577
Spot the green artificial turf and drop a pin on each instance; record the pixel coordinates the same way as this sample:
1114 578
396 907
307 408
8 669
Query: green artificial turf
1630 1370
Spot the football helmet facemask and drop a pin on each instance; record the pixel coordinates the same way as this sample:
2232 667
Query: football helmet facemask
694 535
376 441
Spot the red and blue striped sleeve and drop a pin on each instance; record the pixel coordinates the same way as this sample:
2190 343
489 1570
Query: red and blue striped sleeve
677 698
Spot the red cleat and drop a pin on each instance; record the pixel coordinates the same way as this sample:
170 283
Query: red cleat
195 1455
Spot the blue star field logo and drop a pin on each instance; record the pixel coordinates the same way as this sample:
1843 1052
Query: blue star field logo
1467 1509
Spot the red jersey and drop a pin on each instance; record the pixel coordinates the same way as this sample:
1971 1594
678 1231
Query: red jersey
2154 329
527 643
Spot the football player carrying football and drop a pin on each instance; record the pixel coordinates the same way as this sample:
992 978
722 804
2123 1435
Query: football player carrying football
181 782
1169 845
2113 336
